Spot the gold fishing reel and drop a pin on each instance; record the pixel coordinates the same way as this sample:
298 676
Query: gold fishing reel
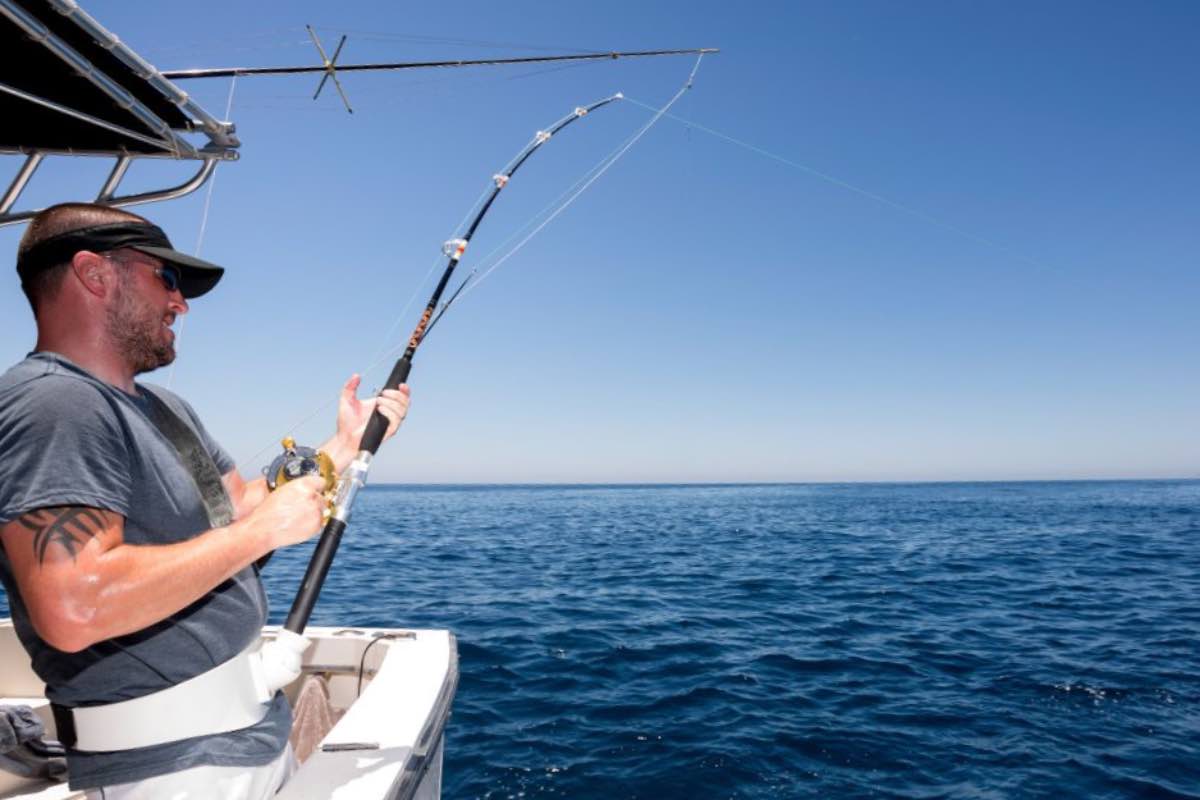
296 462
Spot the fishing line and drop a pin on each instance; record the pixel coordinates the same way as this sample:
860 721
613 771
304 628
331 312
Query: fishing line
212 182
553 206
485 262
852 188
605 165
380 355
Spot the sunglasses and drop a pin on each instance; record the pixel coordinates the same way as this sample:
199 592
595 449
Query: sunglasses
169 275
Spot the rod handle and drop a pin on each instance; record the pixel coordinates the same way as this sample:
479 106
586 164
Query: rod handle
314 576
377 426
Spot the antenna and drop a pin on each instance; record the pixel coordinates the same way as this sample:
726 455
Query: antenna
330 66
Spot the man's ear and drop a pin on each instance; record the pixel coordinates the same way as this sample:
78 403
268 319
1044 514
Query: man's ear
95 273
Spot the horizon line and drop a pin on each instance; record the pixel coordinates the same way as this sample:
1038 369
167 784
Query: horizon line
893 482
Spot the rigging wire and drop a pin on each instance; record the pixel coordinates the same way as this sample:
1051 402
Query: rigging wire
212 182
419 39
228 42
295 36
385 99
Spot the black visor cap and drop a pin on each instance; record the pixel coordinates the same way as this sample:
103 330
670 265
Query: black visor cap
196 276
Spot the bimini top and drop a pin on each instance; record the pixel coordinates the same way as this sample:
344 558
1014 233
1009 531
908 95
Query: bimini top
68 86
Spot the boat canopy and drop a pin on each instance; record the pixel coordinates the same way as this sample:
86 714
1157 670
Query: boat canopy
68 86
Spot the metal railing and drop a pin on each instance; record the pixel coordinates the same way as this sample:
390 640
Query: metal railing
222 144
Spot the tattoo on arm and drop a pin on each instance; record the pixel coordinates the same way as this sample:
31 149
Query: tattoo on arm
68 527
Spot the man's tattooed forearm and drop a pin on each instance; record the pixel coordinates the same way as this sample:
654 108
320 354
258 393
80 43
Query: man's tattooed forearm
70 528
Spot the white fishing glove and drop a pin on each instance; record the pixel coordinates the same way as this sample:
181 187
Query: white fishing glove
278 663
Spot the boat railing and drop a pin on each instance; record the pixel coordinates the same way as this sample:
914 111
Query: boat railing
147 115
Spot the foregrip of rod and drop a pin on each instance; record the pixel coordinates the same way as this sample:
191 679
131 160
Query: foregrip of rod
314 577
377 426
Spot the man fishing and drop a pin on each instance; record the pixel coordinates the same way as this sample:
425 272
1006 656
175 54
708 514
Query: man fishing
129 539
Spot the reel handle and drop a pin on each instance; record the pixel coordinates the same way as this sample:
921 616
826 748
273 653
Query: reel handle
296 462
377 426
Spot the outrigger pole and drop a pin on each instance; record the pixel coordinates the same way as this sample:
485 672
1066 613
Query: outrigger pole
230 72
356 474
330 68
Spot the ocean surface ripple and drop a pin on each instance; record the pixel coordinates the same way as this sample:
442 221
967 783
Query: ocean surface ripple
992 640
1015 640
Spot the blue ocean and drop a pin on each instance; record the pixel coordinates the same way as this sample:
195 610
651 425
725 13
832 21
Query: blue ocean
990 640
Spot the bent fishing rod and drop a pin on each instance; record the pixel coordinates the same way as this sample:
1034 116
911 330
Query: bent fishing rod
299 461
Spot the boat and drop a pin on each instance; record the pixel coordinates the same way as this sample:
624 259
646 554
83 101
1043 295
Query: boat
371 703
389 694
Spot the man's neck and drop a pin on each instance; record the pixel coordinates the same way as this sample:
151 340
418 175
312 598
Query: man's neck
93 357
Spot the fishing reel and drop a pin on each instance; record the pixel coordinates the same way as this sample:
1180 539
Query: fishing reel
296 462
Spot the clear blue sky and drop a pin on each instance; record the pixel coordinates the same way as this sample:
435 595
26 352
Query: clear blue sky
704 312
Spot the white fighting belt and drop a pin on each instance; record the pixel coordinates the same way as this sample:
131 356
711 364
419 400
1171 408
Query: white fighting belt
228 697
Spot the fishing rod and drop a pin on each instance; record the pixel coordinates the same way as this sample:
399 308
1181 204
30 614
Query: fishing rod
305 461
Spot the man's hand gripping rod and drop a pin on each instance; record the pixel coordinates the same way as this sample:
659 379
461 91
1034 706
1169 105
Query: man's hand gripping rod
351 481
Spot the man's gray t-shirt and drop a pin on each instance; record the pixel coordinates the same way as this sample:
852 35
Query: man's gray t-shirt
69 439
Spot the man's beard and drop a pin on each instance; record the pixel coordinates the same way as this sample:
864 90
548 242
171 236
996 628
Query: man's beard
137 330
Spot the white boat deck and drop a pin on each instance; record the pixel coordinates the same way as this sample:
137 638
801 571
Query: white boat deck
394 686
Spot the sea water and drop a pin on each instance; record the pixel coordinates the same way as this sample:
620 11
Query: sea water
992 640
999 640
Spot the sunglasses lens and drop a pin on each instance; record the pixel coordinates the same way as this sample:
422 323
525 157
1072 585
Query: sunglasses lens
170 278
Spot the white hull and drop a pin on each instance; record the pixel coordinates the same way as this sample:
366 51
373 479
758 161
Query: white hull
386 744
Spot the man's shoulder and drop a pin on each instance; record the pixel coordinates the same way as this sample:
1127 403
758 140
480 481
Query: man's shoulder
39 382
65 442
39 392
